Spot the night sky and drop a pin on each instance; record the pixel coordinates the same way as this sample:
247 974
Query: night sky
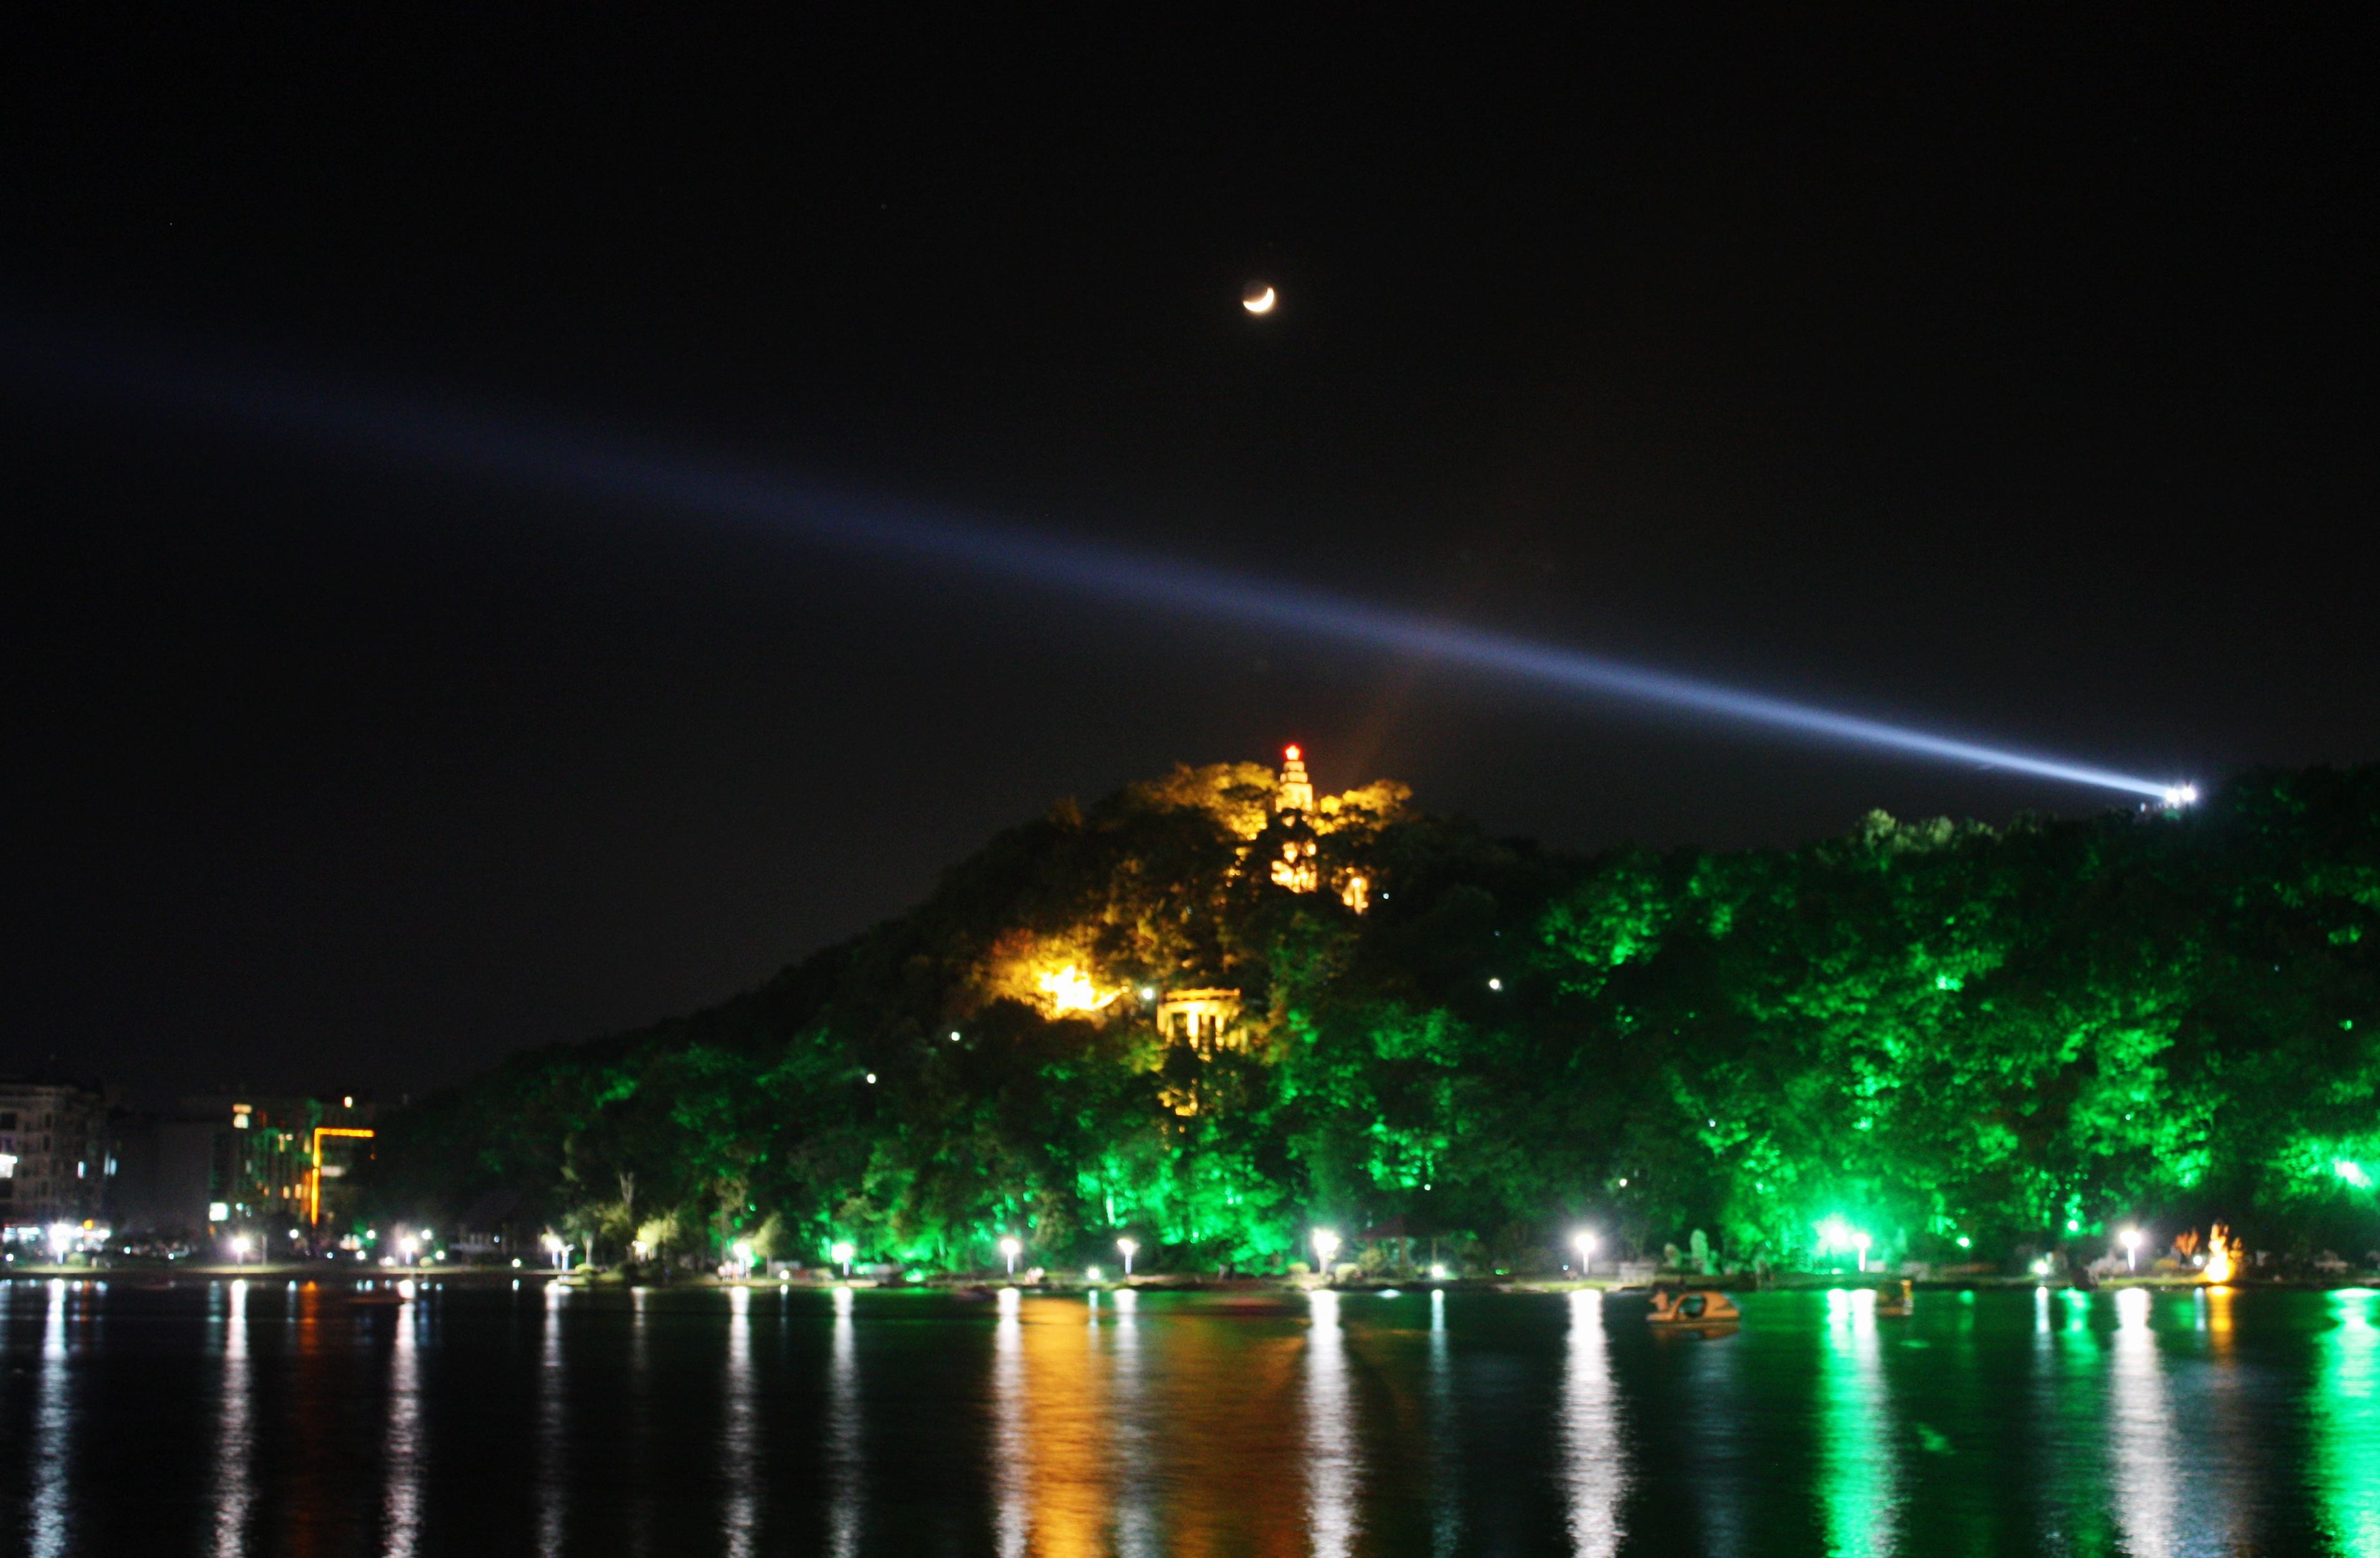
2015 382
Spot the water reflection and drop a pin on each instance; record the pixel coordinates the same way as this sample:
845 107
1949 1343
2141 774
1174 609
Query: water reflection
737 1454
1135 1433
843 1442
2347 1427
2144 1451
401 1508
1445 1466
1011 1469
235 1435
1595 1457
1724 1439
1859 1472
1192 1425
1071 1447
640 1396
1332 1468
46 1535
553 1491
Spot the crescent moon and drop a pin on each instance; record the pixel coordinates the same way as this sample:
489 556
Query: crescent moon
1261 304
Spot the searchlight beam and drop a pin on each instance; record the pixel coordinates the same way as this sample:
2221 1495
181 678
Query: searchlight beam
582 463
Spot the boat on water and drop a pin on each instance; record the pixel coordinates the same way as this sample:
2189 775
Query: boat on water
1688 1309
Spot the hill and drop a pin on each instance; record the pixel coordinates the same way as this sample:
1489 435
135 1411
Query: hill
1190 1015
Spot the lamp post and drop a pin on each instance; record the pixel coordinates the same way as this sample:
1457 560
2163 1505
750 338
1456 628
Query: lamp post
239 1246
1127 1248
842 1252
408 1246
742 1253
1326 1245
1861 1242
2131 1237
1586 1240
1011 1249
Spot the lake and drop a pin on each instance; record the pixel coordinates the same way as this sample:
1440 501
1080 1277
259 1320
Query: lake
265 1417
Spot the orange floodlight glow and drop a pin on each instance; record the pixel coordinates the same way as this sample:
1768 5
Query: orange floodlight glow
314 1179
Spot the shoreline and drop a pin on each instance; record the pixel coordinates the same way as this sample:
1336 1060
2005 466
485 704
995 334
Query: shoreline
1783 1282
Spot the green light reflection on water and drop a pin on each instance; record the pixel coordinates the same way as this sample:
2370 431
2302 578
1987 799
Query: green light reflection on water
2071 1473
2346 1412
1859 1474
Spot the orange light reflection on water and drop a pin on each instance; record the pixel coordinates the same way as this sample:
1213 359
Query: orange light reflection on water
1072 1405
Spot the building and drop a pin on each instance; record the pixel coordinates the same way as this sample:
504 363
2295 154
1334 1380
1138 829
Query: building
1205 1020
1297 822
283 1162
245 1160
54 1158
165 1164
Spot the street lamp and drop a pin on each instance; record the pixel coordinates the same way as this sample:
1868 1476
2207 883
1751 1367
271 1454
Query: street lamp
61 1241
240 1245
1011 1249
1326 1245
1586 1240
742 1253
842 1252
1127 1248
1861 1242
408 1246
2131 1237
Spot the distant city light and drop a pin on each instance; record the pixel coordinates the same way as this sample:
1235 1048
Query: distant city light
1091 1273
2178 795
218 1212
1494 985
